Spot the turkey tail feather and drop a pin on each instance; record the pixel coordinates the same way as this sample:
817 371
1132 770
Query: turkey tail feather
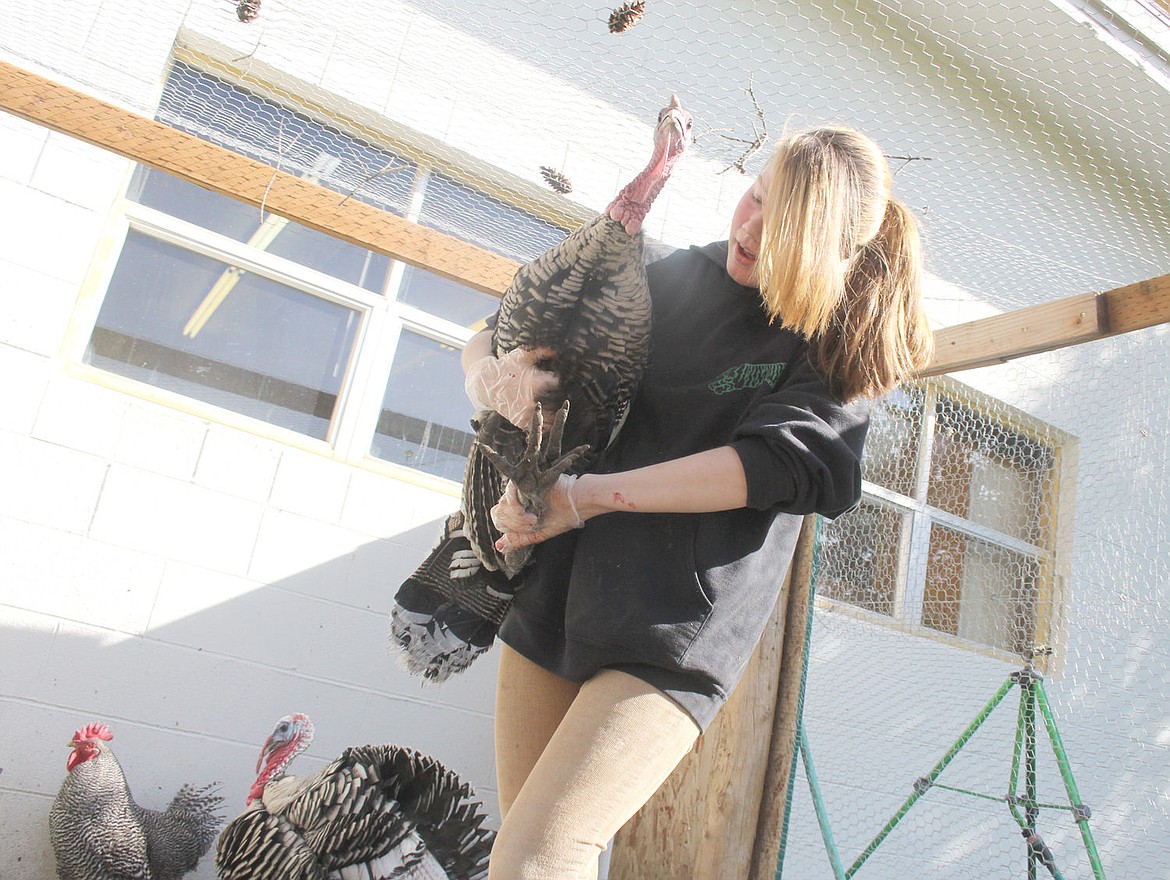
442 624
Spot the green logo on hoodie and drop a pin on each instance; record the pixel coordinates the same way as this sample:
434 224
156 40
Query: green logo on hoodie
746 376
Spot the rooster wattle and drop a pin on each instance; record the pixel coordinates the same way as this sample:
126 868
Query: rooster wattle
98 832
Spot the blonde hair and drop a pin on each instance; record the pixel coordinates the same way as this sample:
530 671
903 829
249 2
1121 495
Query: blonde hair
840 261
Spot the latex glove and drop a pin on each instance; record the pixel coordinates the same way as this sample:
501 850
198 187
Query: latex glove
510 384
522 528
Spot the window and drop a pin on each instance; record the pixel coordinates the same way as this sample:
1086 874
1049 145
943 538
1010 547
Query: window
957 529
219 302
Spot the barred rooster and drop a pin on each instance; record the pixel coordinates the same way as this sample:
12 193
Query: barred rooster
99 833
586 300
376 812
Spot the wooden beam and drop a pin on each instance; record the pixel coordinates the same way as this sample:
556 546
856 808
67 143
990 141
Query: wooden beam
1049 326
773 817
185 156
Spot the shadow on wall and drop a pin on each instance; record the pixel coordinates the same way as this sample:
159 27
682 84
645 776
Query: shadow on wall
193 696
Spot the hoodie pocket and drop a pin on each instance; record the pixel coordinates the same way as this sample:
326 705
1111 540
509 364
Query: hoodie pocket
635 588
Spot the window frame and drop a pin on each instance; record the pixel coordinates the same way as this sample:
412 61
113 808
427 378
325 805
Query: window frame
382 318
918 517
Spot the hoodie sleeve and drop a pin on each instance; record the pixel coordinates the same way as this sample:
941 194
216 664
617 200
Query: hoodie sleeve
801 448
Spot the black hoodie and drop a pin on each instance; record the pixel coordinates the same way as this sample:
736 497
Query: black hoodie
680 600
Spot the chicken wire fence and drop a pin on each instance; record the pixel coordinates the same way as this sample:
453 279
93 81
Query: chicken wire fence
1011 511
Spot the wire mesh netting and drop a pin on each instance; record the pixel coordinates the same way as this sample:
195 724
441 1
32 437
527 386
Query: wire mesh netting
1010 508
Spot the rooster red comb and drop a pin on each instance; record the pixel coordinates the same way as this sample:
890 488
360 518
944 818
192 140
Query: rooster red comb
97 730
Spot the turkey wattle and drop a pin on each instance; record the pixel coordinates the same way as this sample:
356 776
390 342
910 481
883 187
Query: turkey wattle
376 812
588 301
99 833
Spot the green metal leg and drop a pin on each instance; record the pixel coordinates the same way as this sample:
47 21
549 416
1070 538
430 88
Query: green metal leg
1080 812
923 785
814 787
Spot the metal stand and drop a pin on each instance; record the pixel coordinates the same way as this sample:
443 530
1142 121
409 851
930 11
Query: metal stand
1025 808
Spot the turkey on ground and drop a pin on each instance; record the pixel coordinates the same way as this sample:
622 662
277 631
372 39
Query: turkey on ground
377 812
586 300
98 832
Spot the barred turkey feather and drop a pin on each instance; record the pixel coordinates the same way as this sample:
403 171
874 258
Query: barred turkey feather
588 301
376 812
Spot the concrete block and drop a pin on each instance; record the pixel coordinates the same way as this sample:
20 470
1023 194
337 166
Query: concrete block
53 236
363 70
303 554
310 485
47 484
79 174
21 143
19 400
160 440
376 504
35 308
65 575
81 415
237 463
175 519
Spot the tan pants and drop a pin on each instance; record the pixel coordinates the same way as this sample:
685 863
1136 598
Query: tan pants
573 763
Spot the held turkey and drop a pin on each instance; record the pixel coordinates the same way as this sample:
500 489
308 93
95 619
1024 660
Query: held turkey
376 812
586 300
99 833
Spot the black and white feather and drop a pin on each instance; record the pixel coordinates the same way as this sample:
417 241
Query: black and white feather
99 832
376 812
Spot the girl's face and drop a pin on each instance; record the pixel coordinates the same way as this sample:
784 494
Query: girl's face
747 224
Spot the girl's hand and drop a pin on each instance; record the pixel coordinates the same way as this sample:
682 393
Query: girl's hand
522 528
510 384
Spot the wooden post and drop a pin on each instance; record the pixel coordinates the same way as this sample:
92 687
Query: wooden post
786 719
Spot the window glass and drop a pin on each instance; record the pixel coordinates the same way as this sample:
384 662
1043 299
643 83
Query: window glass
230 117
285 138
964 549
425 418
273 233
189 323
988 473
474 217
858 562
979 591
447 299
893 441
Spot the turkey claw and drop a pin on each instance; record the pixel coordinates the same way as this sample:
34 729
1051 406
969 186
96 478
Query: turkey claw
542 463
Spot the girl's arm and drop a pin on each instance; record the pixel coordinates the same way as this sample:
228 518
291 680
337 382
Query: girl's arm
701 483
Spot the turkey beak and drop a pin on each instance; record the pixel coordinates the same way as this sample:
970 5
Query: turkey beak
679 120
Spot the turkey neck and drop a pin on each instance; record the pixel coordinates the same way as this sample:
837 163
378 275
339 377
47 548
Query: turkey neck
639 194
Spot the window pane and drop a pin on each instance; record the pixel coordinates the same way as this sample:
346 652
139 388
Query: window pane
979 591
471 216
245 123
273 234
858 557
199 327
427 291
891 446
425 420
990 474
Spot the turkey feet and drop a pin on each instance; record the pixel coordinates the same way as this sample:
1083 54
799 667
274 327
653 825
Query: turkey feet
541 464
